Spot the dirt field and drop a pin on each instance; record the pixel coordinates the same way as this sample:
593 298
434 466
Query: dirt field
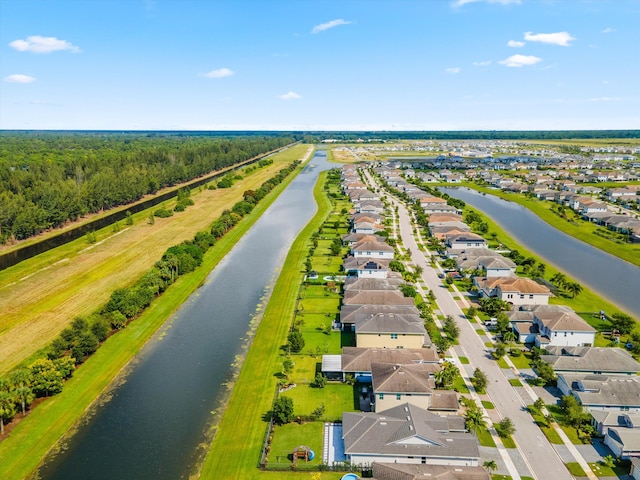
40 296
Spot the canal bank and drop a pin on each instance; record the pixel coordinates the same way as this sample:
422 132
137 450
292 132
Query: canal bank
605 274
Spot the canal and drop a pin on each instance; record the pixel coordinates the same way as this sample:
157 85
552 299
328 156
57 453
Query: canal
155 423
605 274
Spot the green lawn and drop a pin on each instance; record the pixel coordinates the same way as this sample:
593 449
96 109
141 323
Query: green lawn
488 405
575 469
620 469
549 432
336 397
502 363
485 438
515 382
508 442
560 417
522 361
287 437
464 360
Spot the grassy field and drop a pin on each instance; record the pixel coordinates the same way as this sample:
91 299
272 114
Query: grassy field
576 227
40 296
252 395
34 436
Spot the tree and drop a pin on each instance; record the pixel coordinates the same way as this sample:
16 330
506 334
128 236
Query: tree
622 322
46 379
574 288
490 465
539 404
295 342
474 419
559 279
479 380
408 290
451 328
20 381
499 351
545 372
505 427
320 381
7 408
282 411
574 411
492 305
446 375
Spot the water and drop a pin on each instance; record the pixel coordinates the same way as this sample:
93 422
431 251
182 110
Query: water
155 425
605 274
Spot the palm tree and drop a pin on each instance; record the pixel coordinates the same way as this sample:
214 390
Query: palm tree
21 389
490 465
446 375
574 288
474 419
559 279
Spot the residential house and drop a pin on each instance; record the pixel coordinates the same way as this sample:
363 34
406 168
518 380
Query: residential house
598 360
366 267
404 471
465 240
408 434
357 361
372 249
390 330
349 312
602 392
512 289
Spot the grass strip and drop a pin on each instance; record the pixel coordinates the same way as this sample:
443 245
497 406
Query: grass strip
515 382
575 469
508 442
33 437
235 450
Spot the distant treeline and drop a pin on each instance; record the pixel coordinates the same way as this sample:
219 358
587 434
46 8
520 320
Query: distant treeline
472 135
48 178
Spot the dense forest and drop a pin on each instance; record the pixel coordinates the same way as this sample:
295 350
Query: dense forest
48 178
471 135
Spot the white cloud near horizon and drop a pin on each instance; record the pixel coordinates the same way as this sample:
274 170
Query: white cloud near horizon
558 38
19 78
608 30
290 96
219 73
40 44
482 64
515 44
520 61
461 3
332 24
453 70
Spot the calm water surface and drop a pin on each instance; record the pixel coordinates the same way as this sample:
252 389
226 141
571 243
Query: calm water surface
605 274
155 424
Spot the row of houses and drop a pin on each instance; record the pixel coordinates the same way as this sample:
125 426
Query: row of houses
404 420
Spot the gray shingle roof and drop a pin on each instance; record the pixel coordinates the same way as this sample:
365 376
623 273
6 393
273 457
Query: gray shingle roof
590 359
356 359
408 378
390 433
405 471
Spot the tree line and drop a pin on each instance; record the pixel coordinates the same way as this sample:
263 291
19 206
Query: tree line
47 179
46 375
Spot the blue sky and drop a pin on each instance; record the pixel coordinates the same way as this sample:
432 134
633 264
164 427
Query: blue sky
320 65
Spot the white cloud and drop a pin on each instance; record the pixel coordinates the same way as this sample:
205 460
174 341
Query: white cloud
39 44
326 26
219 73
558 38
453 70
608 30
482 64
460 3
520 60
290 96
19 78
515 44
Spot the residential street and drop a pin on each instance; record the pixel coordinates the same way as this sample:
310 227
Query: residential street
537 453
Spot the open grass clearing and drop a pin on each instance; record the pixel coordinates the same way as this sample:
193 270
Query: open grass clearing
336 397
287 437
37 301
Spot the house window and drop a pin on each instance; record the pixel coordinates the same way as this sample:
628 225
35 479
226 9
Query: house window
398 396
381 396
394 336
521 296
530 296
509 295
